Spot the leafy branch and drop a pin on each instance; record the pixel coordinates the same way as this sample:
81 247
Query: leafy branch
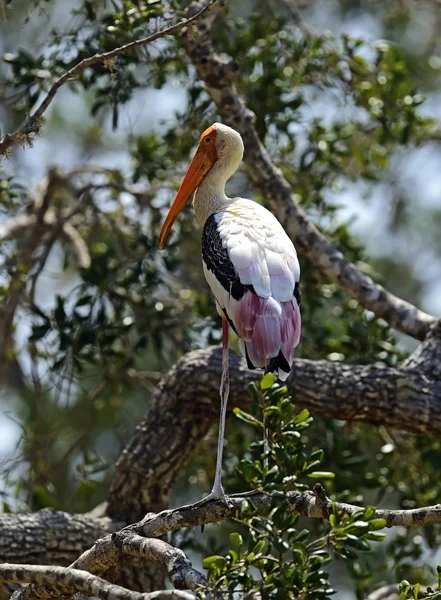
32 124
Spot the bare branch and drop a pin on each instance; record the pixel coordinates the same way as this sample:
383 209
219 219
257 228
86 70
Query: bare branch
106 557
33 123
138 541
38 231
179 569
66 581
218 77
15 226
294 9
106 553
78 245
314 505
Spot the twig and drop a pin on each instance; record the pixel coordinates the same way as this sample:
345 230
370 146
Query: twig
218 76
33 122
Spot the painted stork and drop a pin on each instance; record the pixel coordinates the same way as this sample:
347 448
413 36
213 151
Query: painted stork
249 263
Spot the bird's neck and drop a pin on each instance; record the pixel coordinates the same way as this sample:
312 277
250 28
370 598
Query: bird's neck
210 195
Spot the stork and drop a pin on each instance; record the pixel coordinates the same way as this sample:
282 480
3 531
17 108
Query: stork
249 263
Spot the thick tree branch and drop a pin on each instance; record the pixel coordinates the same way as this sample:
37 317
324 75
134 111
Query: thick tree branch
106 557
107 552
218 77
65 581
186 403
50 537
33 123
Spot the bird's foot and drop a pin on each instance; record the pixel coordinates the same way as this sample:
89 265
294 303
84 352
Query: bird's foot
217 493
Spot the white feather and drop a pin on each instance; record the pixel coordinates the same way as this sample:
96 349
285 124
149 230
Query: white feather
257 245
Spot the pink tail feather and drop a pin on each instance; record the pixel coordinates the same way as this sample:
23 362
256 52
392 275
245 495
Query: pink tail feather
270 331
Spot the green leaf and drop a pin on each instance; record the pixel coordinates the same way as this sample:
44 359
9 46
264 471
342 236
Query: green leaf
267 381
259 547
210 561
301 416
243 416
369 512
375 536
236 542
416 589
376 524
360 524
321 475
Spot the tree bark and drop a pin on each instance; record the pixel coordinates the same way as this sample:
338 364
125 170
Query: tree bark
50 537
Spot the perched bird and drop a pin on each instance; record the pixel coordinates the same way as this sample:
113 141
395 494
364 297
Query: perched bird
249 263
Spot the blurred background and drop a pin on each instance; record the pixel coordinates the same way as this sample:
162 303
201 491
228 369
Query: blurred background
348 102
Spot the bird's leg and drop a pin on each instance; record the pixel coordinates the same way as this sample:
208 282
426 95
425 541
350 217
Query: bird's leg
217 493
224 390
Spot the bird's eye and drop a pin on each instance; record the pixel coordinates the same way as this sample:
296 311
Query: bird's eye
208 139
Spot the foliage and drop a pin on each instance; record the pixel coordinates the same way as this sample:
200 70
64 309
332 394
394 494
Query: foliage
278 555
90 347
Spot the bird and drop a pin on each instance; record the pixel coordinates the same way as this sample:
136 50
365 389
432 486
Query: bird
250 265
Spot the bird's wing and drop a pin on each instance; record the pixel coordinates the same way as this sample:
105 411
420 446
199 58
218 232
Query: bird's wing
259 249
252 269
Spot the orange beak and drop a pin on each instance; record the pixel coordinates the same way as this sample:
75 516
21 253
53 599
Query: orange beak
203 160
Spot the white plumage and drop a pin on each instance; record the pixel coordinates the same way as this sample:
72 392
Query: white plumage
249 262
266 317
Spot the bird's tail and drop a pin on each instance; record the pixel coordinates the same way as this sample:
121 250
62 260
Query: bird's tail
269 331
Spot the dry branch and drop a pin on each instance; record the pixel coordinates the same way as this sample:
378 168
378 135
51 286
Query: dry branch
65 581
32 124
218 77
104 558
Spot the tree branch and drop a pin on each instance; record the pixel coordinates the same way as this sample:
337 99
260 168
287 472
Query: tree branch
66 581
185 405
218 77
33 123
139 541
51 537
105 558
313 504
183 408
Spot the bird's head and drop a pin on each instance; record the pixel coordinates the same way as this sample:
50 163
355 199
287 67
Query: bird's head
219 145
